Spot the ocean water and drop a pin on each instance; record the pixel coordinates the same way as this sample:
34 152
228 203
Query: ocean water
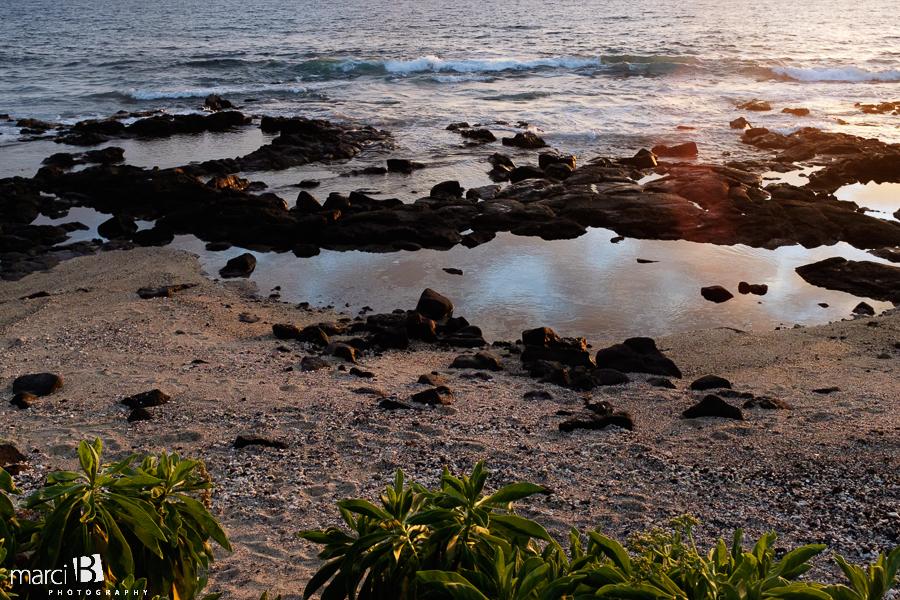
592 78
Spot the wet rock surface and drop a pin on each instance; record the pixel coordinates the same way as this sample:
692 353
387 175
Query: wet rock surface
860 278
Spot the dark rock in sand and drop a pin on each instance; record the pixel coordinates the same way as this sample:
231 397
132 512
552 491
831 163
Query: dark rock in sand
361 373
396 338
248 318
480 360
541 336
285 331
243 441
139 414
740 123
434 306
342 350
710 382
239 266
313 335
147 399
661 382
447 189
679 151
751 288
420 328
860 278
23 400
572 356
313 363
863 309
165 291
797 112
432 379
483 136
621 419
755 105
370 391
389 404
713 406
441 395
118 227
543 368
637 355
768 403
828 390
11 459
526 140
716 293
39 384
469 336
538 395
610 377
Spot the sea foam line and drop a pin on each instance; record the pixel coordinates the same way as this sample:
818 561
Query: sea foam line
837 74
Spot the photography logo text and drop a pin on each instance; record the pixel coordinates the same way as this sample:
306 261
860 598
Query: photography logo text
86 570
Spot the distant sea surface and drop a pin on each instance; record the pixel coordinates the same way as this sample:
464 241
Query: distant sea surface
592 78
606 77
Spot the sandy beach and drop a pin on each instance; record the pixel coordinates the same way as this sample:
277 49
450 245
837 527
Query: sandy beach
825 471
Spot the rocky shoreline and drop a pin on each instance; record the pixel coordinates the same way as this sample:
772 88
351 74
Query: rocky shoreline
555 199
295 407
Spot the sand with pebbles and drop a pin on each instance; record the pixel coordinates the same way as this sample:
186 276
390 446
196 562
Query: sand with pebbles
826 471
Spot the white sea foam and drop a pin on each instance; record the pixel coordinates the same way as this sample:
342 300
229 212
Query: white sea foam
204 92
843 74
435 64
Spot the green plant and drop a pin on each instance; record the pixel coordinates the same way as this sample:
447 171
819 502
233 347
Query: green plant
458 543
142 522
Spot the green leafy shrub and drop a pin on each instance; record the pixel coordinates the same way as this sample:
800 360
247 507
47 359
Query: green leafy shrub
143 522
460 544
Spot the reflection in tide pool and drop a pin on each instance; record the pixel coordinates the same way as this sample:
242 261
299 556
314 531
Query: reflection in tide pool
587 286
882 199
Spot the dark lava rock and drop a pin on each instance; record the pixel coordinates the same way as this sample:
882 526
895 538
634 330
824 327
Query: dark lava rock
63 160
797 112
527 140
483 136
39 384
740 123
108 155
397 165
118 227
453 271
243 441
313 334
890 254
828 390
661 382
716 293
245 317
396 338
644 159
522 173
239 266
361 373
217 246
434 306
755 105
369 391
313 363
342 350
573 356
543 368
541 336
860 278
476 238
447 189
637 355
760 289
767 403
306 204
457 126
147 399
621 419
710 382
214 102
546 159
160 235
389 404
432 379
478 375
420 328
306 250
284 331
139 414
23 400
165 291
713 406
679 151
610 377
11 458
469 336
441 395
480 360
863 309
538 395
558 171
